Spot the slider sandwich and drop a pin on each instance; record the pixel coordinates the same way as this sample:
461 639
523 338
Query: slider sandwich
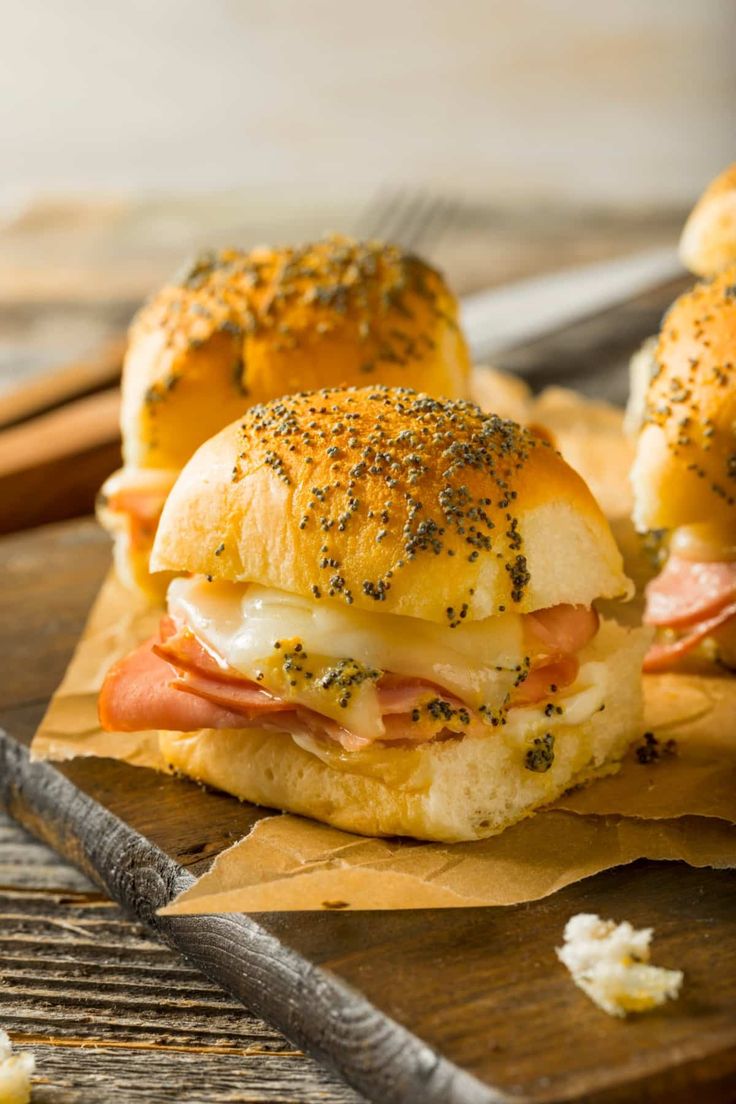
384 619
708 241
707 246
684 479
241 328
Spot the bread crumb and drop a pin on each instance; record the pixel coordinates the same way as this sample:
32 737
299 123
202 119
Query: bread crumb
15 1073
610 962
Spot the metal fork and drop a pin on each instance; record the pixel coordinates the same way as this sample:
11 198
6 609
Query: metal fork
414 220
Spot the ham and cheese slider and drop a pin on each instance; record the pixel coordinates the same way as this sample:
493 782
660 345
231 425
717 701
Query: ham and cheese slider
684 478
241 328
707 246
385 619
708 241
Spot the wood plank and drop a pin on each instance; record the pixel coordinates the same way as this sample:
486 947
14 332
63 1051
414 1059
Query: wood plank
45 392
409 1006
82 1075
269 974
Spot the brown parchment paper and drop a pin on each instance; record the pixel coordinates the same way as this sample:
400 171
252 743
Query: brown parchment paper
118 622
289 864
678 806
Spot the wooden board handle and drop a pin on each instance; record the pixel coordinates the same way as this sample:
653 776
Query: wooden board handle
71 381
52 466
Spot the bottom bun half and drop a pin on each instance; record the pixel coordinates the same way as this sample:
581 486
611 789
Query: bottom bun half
460 789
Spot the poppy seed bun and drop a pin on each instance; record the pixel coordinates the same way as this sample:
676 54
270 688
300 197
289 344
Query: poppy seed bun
685 466
708 242
450 790
394 501
242 328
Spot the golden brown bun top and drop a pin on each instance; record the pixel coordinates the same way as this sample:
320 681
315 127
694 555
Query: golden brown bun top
708 242
242 328
394 501
686 458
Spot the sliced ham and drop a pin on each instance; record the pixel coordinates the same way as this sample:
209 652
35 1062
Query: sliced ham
145 503
662 656
181 648
209 678
173 682
397 695
324 727
562 630
244 698
545 680
142 506
398 728
137 695
687 592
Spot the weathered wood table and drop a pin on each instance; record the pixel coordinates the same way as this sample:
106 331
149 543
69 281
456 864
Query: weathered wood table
113 1016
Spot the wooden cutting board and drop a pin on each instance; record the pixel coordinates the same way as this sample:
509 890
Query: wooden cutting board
456 1006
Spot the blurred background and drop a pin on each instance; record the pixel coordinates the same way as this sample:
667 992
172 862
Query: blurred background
626 101
500 140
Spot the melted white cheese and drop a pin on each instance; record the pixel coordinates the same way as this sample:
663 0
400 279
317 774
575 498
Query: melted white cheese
411 771
577 703
478 662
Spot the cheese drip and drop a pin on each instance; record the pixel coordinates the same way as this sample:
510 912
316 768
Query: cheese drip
329 658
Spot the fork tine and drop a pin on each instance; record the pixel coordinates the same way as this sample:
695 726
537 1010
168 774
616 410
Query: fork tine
418 211
425 219
442 216
387 214
411 219
374 219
